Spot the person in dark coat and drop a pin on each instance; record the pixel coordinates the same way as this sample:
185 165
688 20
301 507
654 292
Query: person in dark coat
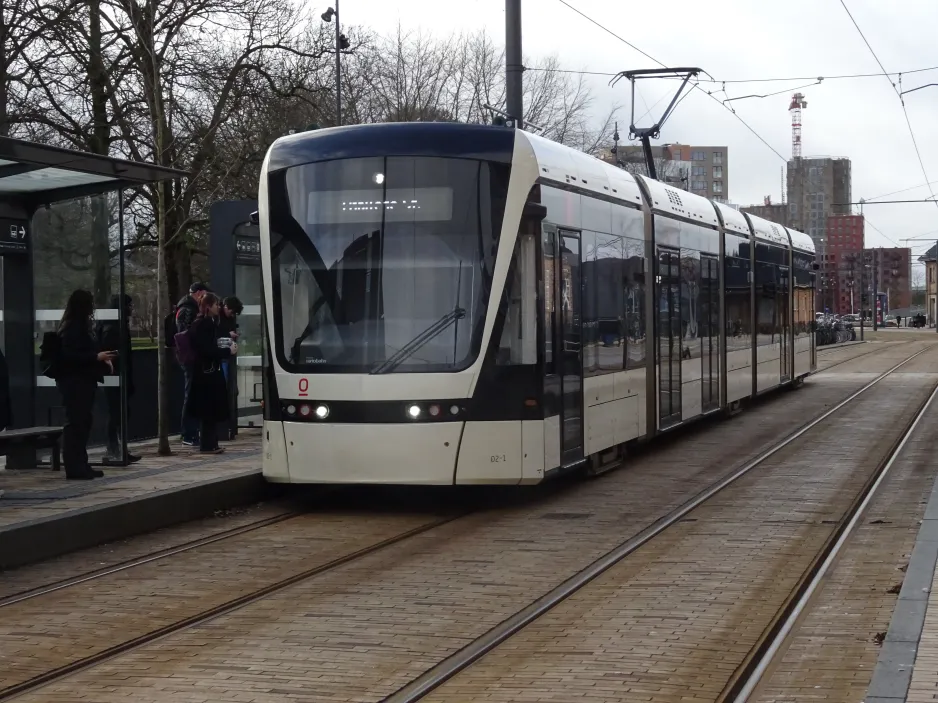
110 337
186 312
81 367
208 399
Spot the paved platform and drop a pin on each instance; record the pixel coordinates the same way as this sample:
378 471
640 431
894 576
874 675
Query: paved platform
907 669
43 515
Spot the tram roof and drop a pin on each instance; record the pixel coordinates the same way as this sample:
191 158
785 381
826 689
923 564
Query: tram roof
801 241
455 139
769 231
37 174
733 220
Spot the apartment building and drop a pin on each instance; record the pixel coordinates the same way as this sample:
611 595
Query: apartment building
703 170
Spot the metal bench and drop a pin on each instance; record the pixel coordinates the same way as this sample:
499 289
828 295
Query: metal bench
20 445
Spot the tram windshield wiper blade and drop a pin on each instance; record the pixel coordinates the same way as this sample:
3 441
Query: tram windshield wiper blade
414 345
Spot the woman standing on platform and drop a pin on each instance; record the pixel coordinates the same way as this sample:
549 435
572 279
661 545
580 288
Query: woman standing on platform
81 367
208 401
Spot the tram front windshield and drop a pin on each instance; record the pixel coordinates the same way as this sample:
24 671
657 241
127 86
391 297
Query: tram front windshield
383 265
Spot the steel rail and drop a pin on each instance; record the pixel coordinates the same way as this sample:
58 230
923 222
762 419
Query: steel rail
54 586
59 673
475 650
795 608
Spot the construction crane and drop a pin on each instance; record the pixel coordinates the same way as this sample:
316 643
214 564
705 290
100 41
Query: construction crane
798 103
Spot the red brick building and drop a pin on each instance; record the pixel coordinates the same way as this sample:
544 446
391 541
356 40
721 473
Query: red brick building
844 233
840 255
844 276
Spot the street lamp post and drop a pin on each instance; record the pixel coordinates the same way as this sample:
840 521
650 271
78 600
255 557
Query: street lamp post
341 43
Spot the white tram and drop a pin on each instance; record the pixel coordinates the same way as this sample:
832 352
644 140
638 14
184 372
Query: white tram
464 304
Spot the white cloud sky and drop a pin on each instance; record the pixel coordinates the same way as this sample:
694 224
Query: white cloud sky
861 119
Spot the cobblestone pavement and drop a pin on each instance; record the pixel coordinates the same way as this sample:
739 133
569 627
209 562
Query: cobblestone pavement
834 651
675 619
30 494
361 631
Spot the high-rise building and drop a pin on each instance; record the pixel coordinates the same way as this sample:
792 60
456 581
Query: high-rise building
703 170
818 187
709 169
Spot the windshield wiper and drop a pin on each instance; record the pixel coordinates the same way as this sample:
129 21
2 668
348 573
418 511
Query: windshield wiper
411 348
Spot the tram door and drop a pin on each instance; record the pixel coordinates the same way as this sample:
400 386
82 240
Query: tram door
668 278
571 352
784 319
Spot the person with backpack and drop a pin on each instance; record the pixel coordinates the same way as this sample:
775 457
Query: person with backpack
78 365
110 337
184 315
204 350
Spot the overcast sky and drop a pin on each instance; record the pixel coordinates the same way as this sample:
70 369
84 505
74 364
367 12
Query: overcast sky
861 119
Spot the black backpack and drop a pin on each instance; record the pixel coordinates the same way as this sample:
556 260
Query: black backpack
169 327
50 354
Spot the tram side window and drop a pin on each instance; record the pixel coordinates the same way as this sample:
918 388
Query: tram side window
518 342
563 207
633 277
588 283
603 303
804 301
738 303
690 304
768 324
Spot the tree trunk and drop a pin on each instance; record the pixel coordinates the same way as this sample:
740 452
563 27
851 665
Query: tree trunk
4 79
100 143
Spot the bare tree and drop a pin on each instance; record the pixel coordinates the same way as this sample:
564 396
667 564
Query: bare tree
408 76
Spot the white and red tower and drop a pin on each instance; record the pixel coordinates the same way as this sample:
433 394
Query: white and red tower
797 104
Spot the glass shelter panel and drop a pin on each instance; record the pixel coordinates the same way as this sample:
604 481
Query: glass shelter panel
247 287
77 245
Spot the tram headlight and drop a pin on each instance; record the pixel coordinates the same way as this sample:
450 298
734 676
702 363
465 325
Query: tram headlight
291 410
413 411
378 178
434 410
322 411
305 410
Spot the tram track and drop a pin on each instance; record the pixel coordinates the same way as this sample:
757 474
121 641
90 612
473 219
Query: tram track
131 644
149 558
874 350
167 552
747 676
35 682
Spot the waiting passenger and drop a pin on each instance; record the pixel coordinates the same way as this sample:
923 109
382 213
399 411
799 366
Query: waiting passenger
81 366
186 311
208 398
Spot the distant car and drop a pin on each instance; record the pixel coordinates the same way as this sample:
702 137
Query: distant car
852 319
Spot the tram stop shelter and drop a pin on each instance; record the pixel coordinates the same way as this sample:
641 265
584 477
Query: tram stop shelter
63 219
